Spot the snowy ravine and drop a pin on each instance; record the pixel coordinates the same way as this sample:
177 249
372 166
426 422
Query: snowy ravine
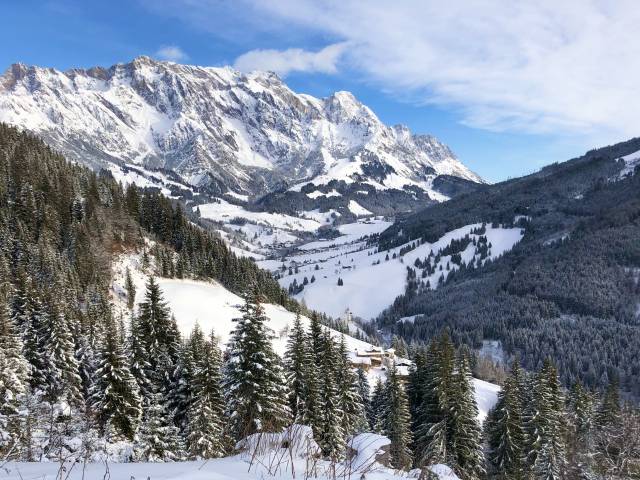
371 279
214 307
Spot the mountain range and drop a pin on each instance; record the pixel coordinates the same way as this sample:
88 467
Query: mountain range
217 131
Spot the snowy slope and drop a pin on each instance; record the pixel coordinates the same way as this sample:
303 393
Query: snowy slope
631 162
370 281
240 134
214 307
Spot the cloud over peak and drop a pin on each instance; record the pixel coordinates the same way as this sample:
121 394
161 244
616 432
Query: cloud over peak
283 62
171 53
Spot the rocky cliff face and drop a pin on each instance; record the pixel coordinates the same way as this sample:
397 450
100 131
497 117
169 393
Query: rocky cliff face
219 129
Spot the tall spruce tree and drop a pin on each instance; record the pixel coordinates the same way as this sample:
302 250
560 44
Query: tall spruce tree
364 390
506 429
353 411
254 381
115 391
158 439
549 463
397 422
432 440
206 433
296 357
313 403
332 435
464 430
62 377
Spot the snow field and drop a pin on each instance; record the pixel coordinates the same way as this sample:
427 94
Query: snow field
370 281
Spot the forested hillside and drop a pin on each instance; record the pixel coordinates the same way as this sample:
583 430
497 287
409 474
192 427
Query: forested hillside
568 290
62 223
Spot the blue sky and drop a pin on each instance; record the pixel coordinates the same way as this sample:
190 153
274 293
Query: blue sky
509 89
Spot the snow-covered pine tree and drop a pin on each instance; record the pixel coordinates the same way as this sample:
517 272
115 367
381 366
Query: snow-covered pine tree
254 381
354 416
550 460
62 382
378 402
115 396
506 430
139 361
12 388
465 431
608 412
332 436
397 422
295 363
364 391
36 319
192 354
416 385
206 433
432 442
313 403
157 439
580 414
17 367
153 321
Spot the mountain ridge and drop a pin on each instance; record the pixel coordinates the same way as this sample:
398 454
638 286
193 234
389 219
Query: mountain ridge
221 130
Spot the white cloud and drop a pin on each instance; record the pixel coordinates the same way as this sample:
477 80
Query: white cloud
291 60
548 66
171 53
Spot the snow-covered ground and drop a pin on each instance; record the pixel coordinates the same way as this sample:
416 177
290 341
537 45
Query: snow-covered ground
372 279
214 307
486 397
224 212
631 161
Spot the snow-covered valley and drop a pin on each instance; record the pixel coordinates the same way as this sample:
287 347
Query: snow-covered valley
350 273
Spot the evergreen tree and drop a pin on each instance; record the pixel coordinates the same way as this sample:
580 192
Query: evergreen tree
378 402
158 439
432 440
295 361
465 432
254 380
353 411
364 390
140 364
115 392
206 412
549 462
332 436
580 432
62 378
397 421
315 350
506 430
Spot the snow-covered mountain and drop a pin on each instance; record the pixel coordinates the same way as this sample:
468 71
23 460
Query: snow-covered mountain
221 130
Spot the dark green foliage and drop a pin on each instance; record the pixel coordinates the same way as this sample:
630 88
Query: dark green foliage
296 366
397 422
567 291
506 433
115 391
206 430
254 381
